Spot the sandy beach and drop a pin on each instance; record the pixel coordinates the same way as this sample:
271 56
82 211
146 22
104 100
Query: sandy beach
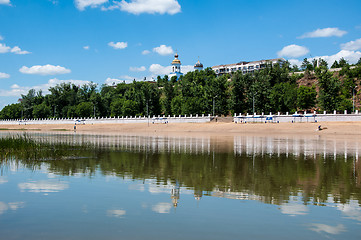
219 129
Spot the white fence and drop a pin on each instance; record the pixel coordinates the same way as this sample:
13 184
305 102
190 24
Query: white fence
297 117
275 118
110 120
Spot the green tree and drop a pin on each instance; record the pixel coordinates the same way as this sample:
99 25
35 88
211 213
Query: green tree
329 96
259 93
359 62
335 64
29 101
323 63
71 111
12 111
176 105
306 65
129 108
306 97
283 97
295 68
117 107
342 63
239 92
41 111
84 109
168 95
62 97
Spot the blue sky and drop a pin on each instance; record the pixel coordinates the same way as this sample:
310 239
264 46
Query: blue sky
45 42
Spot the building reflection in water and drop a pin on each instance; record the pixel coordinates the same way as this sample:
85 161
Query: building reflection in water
306 146
297 145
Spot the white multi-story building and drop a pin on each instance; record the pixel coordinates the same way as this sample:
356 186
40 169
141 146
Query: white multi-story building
245 67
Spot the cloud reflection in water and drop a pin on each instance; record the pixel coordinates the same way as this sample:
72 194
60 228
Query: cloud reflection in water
118 213
162 207
44 186
294 209
11 205
317 227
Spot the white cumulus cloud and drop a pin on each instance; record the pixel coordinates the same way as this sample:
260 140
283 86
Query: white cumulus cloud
112 81
293 51
118 45
163 50
82 4
324 32
86 47
145 52
7 2
4 48
44 70
350 56
16 90
121 79
157 69
352 45
17 50
296 62
137 69
4 75
150 6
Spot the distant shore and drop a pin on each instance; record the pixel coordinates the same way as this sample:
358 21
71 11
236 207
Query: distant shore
213 128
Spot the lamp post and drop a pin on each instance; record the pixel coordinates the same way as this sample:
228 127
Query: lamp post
253 106
214 103
148 113
353 98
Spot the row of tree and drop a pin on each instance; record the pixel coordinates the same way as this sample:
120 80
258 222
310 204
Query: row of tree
273 89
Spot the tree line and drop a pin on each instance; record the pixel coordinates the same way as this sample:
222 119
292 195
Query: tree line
276 88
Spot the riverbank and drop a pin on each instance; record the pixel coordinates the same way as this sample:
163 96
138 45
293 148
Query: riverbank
212 128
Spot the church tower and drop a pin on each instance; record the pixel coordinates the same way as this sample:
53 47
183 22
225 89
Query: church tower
198 66
176 67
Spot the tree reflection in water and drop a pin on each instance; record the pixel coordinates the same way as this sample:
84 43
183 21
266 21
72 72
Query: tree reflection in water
262 169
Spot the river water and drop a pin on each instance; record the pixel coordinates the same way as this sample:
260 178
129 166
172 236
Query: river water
167 187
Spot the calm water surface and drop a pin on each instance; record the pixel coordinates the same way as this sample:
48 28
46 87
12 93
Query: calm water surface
136 187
